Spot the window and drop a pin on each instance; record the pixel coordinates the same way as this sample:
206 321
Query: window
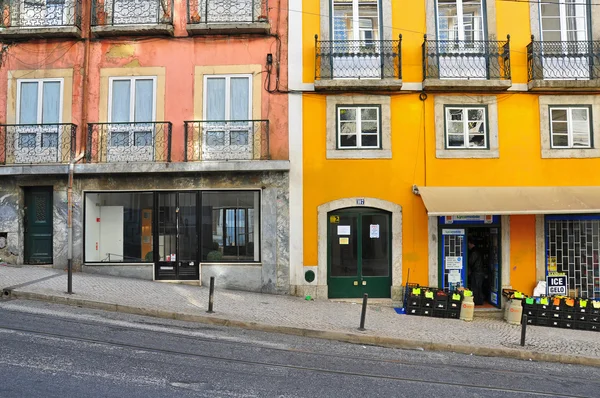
118 227
563 20
356 20
460 20
466 127
234 219
131 113
358 127
227 112
570 127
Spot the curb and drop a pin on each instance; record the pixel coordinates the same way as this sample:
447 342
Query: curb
356 338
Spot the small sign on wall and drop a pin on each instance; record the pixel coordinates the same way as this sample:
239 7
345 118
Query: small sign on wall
360 202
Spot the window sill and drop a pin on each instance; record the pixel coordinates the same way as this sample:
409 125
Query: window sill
359 154
462 84
133 30
231 28
342 84
42 32
570 153
467 153
561 85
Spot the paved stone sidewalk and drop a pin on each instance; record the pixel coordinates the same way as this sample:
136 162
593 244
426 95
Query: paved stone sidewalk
486 335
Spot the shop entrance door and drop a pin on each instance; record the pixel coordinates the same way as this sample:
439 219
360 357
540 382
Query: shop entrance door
176 243
359 253
38 225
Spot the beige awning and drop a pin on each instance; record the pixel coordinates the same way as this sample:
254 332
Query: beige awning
442 201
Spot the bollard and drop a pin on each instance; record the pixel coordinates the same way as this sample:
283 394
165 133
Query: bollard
523 330
363 312
211 295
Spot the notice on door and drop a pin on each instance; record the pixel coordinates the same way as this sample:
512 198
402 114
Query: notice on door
374 231
454 276
454 262
343 229
344 241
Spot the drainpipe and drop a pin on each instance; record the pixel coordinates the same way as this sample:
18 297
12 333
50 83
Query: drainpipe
70 224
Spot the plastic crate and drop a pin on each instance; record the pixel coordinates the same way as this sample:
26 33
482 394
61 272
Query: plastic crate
439 313
556 314
454 305
542 321
413 311
554 323
580 325
531 321
414 301
426 311
594 326
440 305
453 314
581 317
568 316
427 303
531 313
594 318
543 313
566 324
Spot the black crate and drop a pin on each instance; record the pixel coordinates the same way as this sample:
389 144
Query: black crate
594 318
454 305
413 311
581 317
427 303
414 301
580 325
426 311
529 307
439 313
556 315
543 306
531 321
582 310
441 296
594 326
543 313
542 321
554 323
440 305
453 314
531 313
566 324
568 316
594 311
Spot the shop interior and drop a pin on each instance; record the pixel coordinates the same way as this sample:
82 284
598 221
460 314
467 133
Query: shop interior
486 241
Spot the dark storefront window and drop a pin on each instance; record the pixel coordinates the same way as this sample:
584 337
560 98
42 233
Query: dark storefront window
230 226
118 227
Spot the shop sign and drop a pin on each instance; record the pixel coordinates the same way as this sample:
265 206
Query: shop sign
467 219
556 284
453 231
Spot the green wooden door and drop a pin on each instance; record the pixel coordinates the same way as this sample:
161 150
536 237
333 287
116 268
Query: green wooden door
38 225
359 253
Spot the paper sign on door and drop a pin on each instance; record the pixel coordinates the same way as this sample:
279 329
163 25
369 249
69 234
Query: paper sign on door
343 229
454 276
374 231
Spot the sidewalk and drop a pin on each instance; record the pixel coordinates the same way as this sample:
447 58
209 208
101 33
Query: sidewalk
487 335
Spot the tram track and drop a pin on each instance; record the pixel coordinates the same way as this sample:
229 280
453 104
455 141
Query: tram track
313 369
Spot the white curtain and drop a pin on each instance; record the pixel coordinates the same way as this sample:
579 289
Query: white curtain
28 103
239 98
121 97
215 99
143 100
51 103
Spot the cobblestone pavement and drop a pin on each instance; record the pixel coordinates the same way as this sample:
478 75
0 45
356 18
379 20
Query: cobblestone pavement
486 331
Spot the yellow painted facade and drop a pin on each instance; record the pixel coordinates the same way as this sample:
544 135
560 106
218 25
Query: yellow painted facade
413 138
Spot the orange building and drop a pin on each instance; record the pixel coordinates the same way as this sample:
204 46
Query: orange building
156 129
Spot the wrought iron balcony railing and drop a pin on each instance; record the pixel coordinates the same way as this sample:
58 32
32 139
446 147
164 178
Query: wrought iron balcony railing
37 143
129 142
356 59
40 14
226 11
460 59
131 12
563 60
227 140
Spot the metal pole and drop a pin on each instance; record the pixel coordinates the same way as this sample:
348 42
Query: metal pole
70 230
363 312
523 330
211 295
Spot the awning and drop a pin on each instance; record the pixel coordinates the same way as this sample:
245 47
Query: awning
442 201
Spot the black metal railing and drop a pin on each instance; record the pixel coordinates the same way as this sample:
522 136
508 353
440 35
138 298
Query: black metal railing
40 14
131 12
226 140
460 59
128 142
226 11
37 143
352 59
563 60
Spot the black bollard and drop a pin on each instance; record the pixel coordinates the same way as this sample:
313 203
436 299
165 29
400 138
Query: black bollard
523 330
363 312
211 295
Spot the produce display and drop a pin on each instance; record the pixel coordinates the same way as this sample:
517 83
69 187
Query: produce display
562 312
429 301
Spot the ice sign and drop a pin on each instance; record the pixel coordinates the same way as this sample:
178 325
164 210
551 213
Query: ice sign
556 284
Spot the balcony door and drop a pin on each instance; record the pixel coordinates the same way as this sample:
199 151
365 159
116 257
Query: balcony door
356 31
564 33
235 11
131 117
37 137
46 13
228 131
461 39
132 12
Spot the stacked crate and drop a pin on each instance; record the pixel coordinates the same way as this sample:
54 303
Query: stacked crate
434 302
562 312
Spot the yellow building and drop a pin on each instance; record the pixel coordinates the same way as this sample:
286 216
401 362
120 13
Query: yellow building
425 124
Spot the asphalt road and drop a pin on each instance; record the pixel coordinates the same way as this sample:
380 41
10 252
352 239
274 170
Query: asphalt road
49 350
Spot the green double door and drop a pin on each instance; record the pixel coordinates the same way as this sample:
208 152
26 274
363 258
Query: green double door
38 225
359 253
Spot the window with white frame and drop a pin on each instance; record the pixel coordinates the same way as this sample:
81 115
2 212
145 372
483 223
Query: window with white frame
563 20
358 127
570 127
228 128
355 20
466 127
131 112
39 110
460 20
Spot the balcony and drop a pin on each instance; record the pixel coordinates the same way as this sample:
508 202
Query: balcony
26 144
358 64
227 17
457 65
226 140
40 18
128 142
132 17
560 65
